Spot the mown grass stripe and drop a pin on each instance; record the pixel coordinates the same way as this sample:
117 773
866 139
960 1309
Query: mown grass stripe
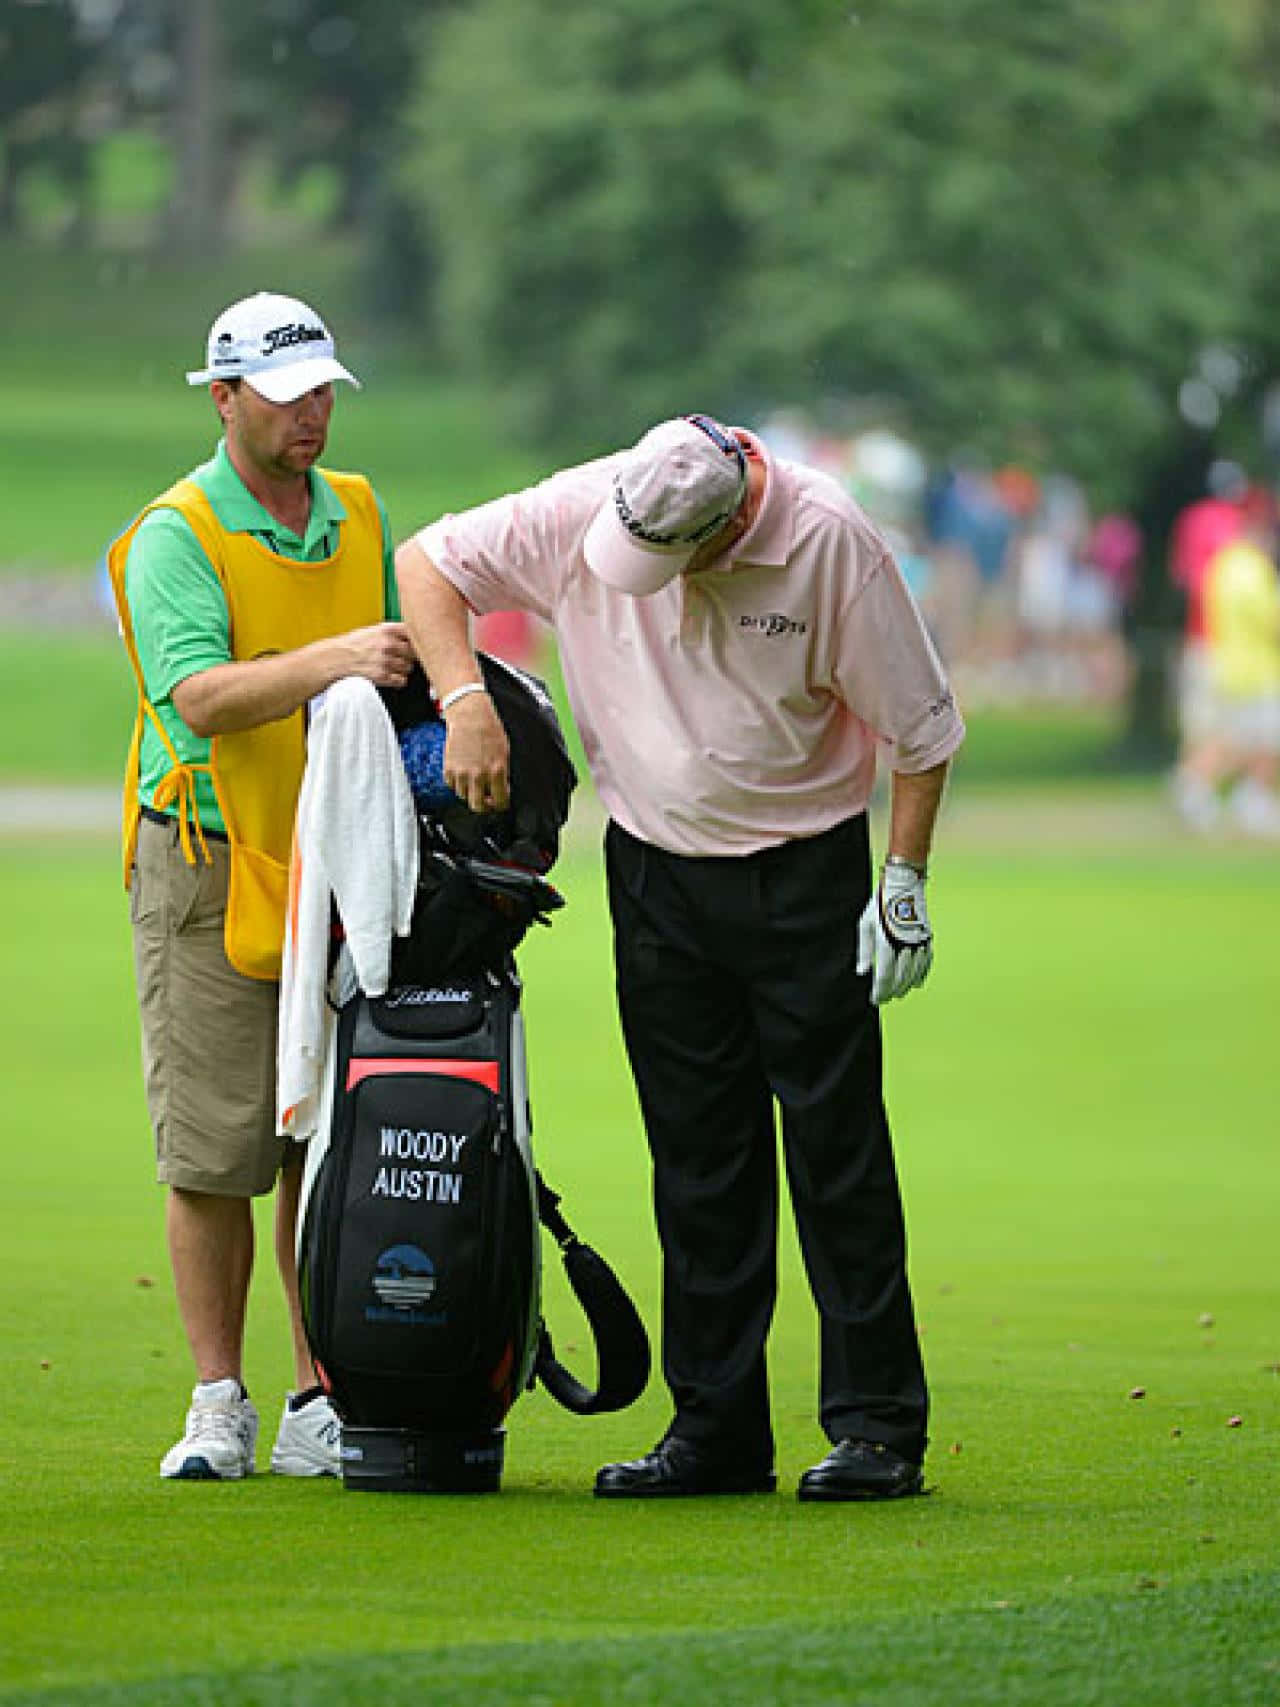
1217 1641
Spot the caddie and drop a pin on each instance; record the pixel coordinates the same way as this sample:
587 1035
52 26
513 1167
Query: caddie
248 586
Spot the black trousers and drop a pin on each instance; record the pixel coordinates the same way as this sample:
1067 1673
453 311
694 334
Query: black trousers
737 990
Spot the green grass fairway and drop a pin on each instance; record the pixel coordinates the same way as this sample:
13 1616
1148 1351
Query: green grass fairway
1085 1103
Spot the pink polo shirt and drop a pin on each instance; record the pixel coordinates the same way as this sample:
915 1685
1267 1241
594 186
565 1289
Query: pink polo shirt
738 707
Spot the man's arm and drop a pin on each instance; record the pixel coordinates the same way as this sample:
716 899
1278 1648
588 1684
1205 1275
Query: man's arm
913 811
181 625
476 754
242 695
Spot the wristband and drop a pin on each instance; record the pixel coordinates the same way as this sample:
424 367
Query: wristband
455 694
921 871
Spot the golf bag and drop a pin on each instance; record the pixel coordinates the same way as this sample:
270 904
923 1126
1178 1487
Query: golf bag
420 1253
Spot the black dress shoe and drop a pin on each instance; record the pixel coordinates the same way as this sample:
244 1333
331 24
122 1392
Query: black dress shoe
678 1468
861 1470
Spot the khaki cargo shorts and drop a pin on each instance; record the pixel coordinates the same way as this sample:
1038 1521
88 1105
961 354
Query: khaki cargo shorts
208 1032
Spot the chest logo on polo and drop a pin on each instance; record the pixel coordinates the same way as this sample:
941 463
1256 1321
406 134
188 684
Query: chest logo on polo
771 625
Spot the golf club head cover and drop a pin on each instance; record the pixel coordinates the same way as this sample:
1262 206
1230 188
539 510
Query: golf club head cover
895 943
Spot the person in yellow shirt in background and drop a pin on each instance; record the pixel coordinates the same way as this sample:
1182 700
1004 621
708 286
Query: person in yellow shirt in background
1242 619
253 583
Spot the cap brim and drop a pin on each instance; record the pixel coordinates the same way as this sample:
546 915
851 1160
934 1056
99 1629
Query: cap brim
625 563
287 384
284 384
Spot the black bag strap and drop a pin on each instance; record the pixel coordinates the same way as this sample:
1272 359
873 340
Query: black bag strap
622 1346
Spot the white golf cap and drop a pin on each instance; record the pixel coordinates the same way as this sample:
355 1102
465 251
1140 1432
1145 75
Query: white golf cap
277 344
679 485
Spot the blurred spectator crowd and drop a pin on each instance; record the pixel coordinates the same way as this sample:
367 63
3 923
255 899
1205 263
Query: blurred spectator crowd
1030 597
1027 594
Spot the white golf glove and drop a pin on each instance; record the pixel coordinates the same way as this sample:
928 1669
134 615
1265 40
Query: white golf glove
895 943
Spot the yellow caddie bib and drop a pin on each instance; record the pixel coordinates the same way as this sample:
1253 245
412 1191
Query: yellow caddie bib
275 605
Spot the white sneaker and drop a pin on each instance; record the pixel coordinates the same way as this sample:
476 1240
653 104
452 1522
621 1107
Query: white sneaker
1255 808
1195 801
308 1440
220 1437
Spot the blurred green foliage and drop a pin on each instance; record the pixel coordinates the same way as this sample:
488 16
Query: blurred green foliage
43 60
1011 227
1022 234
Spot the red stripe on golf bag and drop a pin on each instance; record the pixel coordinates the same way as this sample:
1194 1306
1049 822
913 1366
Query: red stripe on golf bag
375 1066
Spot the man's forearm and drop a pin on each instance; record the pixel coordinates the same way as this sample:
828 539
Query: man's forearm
253 691
913 811
476 753
230 697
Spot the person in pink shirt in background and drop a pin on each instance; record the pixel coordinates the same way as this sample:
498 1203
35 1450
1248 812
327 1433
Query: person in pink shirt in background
738 643
1199 533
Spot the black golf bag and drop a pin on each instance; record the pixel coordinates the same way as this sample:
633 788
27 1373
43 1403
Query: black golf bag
419 1256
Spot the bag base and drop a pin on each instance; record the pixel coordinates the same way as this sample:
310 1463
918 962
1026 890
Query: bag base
409 1461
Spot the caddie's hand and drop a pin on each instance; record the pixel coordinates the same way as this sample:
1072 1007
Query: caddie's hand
382 653
895 943
476 753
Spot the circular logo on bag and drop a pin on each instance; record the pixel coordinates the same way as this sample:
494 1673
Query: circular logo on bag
404 1277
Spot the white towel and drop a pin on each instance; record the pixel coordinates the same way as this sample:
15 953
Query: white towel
355 840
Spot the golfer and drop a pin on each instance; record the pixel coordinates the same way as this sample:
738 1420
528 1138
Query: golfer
248 586
737 644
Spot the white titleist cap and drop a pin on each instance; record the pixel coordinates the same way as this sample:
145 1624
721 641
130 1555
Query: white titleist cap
679 485
281 347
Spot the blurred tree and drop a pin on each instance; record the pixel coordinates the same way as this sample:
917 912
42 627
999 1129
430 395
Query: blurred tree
295 86
1047 215
1012 221
158 66
583 167
1259 24
1227 395
1018 228
43 60
1016 220
322 85
201 183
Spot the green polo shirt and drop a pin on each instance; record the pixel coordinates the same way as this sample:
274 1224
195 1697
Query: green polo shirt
179 610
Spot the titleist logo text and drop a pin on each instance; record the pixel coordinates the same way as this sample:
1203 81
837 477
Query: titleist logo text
281 337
